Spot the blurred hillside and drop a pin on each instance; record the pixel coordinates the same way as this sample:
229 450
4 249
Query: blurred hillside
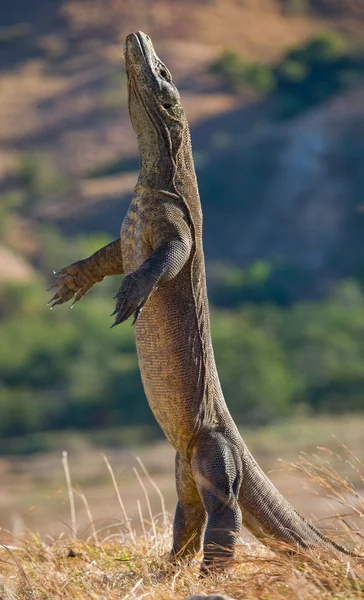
274 92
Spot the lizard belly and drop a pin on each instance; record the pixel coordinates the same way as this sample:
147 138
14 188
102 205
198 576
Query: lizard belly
171 363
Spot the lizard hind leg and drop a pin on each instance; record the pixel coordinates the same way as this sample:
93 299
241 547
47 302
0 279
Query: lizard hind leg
190 517
217 470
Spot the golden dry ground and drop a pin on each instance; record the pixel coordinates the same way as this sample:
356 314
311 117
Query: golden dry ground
125 568
112 540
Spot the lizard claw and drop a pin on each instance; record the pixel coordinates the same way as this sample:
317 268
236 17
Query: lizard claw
63 295
81 293
73 281
131 298
136 315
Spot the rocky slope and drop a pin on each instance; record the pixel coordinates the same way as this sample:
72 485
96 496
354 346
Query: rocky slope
289 193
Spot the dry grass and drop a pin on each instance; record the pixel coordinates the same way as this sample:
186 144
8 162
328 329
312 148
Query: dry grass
33 495
117 562
65 568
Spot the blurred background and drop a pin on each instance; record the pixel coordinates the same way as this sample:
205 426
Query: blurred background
274 93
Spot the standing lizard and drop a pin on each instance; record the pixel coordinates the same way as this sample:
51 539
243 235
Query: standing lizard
219 484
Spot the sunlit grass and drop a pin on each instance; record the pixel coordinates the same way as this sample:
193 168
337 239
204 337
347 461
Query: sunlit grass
125 561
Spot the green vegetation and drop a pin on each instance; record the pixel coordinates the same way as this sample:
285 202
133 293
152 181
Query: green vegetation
277 354
40 178
305 76
293 8
36 179
239 74
65 369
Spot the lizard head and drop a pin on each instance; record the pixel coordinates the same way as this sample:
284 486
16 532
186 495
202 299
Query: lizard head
154 101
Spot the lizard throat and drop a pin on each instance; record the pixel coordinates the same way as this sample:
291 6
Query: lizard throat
143 188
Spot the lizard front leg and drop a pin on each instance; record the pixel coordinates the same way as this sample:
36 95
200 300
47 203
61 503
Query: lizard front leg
79 277
171 243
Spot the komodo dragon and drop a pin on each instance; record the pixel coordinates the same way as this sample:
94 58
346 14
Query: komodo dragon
219 484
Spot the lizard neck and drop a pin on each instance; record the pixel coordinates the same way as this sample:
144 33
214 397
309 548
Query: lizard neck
157 166
166 161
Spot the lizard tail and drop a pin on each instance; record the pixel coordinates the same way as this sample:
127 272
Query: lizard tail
271 518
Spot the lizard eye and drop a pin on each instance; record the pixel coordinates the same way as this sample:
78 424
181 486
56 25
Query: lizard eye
164 73
167 105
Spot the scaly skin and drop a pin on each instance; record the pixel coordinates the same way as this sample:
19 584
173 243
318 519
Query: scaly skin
219 484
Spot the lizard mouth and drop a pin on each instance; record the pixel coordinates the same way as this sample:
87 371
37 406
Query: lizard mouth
141 43
137 40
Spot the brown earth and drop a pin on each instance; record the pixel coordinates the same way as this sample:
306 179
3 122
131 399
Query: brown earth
62 90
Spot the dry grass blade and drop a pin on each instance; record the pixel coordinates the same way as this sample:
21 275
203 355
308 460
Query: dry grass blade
126 519
70 492
149 509
133 589
153 483
87 507
142 523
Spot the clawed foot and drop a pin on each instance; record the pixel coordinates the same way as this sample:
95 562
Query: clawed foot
222 560
73 283
206 570
131 298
